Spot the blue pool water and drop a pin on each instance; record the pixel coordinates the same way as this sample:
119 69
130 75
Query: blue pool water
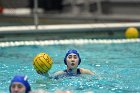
117 67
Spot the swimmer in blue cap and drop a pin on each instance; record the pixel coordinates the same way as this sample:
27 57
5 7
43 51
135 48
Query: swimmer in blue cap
19 84
72 60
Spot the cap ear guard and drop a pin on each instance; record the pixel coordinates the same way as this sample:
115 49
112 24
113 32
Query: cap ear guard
79 61
65 61
69 52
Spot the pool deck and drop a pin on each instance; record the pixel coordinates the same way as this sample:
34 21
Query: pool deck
67 31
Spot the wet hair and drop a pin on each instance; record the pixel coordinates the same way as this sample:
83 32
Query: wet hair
22 80
74 52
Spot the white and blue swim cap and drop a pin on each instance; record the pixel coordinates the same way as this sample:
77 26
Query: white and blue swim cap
23 80
74 52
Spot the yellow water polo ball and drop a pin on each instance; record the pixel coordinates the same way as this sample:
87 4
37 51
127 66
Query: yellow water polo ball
42 63
131 32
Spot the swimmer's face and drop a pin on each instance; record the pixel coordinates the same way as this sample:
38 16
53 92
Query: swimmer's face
17 87
72 60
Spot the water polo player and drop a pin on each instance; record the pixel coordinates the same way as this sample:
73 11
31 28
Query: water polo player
72 60
19 84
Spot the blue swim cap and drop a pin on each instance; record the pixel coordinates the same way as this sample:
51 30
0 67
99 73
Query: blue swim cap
72 51
23 80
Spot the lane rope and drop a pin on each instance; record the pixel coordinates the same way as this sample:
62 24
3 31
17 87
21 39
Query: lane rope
68 41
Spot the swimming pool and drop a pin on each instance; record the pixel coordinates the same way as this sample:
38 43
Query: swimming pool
116 66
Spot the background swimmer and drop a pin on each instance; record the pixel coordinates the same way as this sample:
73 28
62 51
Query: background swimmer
72 60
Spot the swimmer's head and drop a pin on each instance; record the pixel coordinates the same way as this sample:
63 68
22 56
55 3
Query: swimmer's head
70 52
22 80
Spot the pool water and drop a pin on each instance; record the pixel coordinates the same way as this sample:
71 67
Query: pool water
117 67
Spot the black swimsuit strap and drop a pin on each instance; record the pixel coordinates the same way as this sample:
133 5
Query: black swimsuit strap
78 71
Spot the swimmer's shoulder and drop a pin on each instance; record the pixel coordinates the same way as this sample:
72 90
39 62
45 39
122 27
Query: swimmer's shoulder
86 71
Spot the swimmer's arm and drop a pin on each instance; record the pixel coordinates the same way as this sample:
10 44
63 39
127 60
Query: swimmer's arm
55 75
86 71
44 74
59 73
